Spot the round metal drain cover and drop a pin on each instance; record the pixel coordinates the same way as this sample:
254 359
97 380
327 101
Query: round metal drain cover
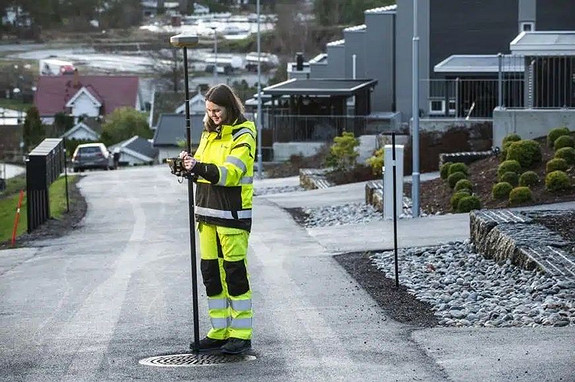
188 360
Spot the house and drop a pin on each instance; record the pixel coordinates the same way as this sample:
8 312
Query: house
135 151
90 96
170 102
170 135
88 129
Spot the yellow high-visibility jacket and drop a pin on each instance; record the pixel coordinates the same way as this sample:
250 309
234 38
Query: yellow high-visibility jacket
225 171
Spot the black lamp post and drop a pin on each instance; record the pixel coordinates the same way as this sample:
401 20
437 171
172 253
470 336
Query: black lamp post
185 42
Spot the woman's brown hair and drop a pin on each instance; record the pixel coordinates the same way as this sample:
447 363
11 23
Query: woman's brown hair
223 95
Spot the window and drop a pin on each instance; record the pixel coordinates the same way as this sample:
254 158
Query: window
527 27
436 107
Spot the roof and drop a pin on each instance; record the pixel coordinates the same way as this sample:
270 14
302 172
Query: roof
544 43
342 87
357 28
81 126
389 8
172 128
138 147
480 64
53 92
170 102
336 43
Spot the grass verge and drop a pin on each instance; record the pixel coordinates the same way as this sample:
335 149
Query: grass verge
9 204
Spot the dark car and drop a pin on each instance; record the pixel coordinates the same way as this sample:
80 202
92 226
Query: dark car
91 156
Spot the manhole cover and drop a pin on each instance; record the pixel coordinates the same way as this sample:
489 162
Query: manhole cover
188 360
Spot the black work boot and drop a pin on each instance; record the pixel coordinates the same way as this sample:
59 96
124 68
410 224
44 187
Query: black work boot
236 346
208 344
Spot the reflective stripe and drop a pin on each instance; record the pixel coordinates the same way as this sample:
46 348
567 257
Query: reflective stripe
237 162
247 180
242 132
223 176
244 214
217 303
219 323
241 305
242 323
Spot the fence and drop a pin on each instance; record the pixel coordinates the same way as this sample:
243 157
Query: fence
323 128
516 82
44 165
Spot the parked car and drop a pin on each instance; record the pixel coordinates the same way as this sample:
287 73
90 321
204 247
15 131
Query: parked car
90 156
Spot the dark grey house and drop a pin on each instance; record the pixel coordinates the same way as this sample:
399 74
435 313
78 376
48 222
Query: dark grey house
170 135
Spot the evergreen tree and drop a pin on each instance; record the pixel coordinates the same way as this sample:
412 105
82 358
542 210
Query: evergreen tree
34 131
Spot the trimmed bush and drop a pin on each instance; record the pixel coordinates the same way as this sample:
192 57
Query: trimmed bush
454 178
563 141
507 166
510 138
455 198
444 170
567 153
556 164
501 190
555 133
463 184
458 167
376 162
527 152
468 203
528 178
511 178
520 195
557 181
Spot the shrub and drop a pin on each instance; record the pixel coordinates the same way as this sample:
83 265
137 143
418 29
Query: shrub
376 162
468 203
343 150
555 133
463 184
501 190
563 141
507 166
455 198
444 170
567 153
556 164
511 178
454 178
510 138
528 178
527 152
520 195
507 141
458 167
557 181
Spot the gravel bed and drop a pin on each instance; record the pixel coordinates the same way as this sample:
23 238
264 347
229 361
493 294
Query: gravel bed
350 213
276 190
466 289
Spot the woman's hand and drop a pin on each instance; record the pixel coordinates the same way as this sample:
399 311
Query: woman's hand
189 161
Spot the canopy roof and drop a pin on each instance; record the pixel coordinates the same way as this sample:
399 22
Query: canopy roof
318 87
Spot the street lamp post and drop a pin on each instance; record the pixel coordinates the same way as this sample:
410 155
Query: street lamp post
259 116
415 115
185 42
215 55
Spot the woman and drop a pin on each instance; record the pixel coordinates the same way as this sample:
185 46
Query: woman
223 166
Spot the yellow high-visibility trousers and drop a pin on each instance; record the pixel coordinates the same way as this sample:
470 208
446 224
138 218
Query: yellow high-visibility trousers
224 271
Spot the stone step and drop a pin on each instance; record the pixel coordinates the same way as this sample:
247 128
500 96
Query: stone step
314 178
510 235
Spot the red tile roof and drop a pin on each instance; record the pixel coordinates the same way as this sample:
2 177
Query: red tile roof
53 92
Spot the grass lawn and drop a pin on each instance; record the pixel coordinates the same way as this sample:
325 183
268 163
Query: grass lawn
14 104
9 204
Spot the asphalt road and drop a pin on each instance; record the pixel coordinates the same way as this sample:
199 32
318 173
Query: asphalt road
90 305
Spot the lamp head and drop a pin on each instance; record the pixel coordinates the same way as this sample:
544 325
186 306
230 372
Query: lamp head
184 40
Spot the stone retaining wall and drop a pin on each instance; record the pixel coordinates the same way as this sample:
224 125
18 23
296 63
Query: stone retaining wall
314 178
504 234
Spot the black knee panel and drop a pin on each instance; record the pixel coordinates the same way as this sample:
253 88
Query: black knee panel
211 275
236 277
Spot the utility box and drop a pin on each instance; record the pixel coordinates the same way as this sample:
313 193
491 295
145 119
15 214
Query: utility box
388 181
